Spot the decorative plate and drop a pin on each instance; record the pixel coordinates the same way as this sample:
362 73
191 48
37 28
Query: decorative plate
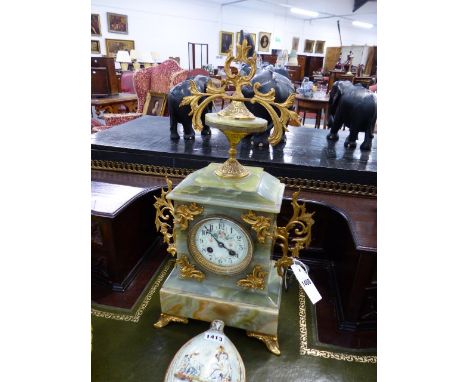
208 357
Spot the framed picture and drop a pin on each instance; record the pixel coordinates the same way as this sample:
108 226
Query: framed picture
95 24
295 44
113 46
254 38
226 40
155 103
309 46
117 23
319 47
95 47
264 40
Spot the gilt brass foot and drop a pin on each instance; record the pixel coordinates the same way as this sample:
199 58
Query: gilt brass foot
271 342
165 319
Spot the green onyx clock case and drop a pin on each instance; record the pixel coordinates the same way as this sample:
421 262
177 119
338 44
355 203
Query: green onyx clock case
224 271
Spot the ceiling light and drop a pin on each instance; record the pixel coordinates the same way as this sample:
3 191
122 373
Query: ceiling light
304 12
362 25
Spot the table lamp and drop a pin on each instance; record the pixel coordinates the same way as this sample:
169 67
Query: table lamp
124 58
134 58
155 56
146 59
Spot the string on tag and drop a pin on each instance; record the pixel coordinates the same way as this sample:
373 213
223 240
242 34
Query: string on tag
301 271
301 264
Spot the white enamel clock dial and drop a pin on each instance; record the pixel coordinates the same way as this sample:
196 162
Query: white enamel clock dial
221 245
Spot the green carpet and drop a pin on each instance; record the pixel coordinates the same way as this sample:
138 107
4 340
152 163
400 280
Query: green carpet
126 347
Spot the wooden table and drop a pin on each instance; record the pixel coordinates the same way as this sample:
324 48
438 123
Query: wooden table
314 105
122 102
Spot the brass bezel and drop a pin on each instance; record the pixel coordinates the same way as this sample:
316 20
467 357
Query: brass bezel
200 259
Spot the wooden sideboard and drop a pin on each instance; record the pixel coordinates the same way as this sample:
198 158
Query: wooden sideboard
306 66
302 61
313 64
270 58
104 80
309 65
294 72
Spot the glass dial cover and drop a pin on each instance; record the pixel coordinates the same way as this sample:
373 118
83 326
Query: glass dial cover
221 245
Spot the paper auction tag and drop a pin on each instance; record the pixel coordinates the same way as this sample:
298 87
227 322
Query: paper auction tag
214 337
305 282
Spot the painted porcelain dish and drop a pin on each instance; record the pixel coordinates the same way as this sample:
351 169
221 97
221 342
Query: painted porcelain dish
208 357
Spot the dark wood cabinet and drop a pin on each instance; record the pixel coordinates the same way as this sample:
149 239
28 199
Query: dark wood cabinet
122 232
119 80
104 81
309 65
306 66
270 58
301 61
314 64
294 72
99 82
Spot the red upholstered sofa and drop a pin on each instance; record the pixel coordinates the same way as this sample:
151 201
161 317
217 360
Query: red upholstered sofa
198 71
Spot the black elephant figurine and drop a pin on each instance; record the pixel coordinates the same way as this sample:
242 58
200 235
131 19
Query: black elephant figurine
245 69
355 107
180 114
268 78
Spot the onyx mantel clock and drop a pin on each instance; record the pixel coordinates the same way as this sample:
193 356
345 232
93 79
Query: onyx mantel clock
224 226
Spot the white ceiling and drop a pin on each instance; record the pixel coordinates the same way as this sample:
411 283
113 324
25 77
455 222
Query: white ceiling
326 8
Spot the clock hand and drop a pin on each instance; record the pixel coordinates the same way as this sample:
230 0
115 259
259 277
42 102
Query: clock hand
230 251
220 244
213 236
